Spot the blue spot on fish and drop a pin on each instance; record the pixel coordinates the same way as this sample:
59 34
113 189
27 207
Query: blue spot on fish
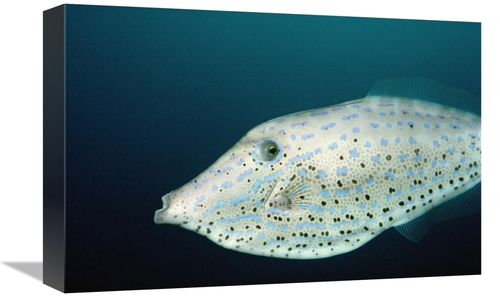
226 184
298 124
333 146
244 217
214 207
298 158
389 175
303 225
273 176
307 136
342 171
342 192
324 193
239 199
319 113
196 185
325 127
244 174
198 201
256 185
347 117
311 207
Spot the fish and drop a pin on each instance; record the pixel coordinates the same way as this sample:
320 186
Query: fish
324 182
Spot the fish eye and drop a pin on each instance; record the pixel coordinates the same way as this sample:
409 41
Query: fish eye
268 150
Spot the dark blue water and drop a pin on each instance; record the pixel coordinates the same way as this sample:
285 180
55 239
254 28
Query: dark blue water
155 96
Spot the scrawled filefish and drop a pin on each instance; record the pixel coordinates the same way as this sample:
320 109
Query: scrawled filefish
323 182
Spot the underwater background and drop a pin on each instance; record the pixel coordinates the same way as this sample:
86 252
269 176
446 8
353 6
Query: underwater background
155 96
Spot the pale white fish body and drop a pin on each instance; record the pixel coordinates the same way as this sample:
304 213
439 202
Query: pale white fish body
324 182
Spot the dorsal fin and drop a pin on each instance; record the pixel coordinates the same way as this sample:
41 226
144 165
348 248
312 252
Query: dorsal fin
428 90
463 205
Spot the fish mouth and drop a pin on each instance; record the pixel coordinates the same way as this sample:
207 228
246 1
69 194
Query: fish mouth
161 215
166 200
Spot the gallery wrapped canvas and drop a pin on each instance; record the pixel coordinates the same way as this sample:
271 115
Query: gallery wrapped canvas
189 148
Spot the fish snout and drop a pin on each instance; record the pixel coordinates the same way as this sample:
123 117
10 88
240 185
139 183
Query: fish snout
166 200
162 215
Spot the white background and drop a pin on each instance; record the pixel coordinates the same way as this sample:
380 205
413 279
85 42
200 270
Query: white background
21 144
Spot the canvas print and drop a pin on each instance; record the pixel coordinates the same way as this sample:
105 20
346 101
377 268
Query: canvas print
210 148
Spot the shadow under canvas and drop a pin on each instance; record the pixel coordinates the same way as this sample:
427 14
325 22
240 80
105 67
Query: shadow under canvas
33 269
